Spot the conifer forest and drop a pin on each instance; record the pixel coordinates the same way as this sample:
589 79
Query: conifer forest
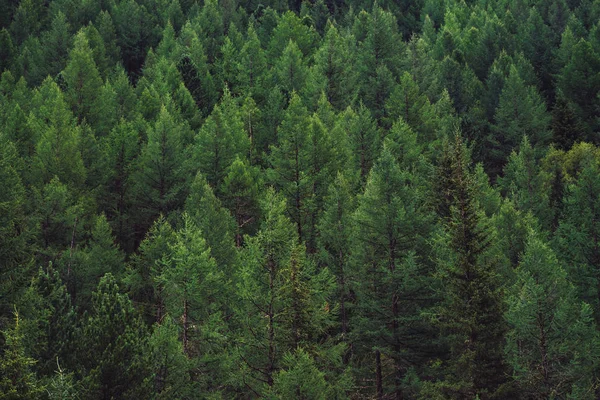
300 199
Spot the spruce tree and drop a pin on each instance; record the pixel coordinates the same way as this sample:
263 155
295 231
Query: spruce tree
471 310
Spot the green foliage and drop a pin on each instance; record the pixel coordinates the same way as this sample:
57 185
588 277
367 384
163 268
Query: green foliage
470 315
283 299
526 185
58 152
50 321
83 80
111 344
391 226
579 82
161 178
280 190
220 141
17 380
552 341
241 197
171 369
578 228
13 223
206 211
191 281
334 62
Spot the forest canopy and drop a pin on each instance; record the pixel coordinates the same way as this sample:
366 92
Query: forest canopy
303 199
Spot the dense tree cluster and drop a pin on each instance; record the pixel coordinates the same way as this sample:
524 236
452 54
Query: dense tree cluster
319 199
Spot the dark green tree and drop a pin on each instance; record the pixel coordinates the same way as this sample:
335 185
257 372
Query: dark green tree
58 152
392 225
470 314
192 286
241 196
283 302
111 345
579 82
578 232
335 63
526 185
290 164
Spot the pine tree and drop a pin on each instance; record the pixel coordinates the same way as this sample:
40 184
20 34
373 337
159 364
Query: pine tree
408 102
192 285
301 377
100 257
252 66
220 141
58 147
552 341
535 37
290 164
378 59
17 380
120 148
336 229
566 126
283 300
579 82
577 234
13 227
364 138
391 228
240 195
56 43
193 67
111 344
60 220
160 178
526 185
171 377
521 112
291 28
207 213
290 71
334 62
98 49
28 19
134 34
144 266
50 323
106 29
212 30
83 80
470 314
